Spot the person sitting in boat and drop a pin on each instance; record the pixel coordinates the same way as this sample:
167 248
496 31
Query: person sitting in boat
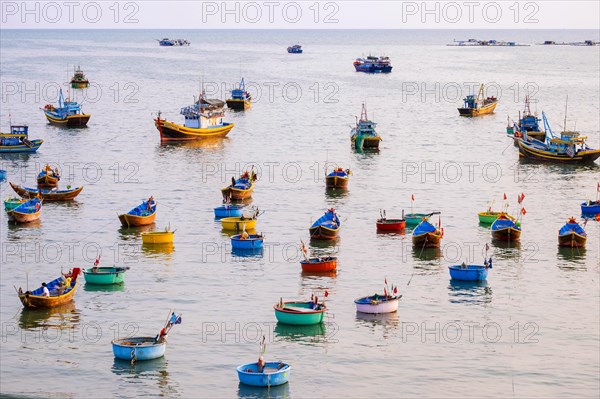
45 290
463 265
244 235
56 174
246 175
232 181
150 203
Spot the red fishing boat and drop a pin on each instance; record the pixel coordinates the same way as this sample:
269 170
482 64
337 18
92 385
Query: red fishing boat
319 265
386 225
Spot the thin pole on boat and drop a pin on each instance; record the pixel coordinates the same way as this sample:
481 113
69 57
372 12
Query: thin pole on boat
27 278
565 122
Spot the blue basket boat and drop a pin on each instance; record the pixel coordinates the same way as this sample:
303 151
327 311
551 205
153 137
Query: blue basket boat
274 373
138 348
469 272
590 208
228 211
251 241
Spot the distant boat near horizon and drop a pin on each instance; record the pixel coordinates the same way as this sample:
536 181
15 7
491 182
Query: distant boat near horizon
485 43
166 42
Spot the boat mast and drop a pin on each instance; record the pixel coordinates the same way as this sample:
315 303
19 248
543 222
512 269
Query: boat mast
565 122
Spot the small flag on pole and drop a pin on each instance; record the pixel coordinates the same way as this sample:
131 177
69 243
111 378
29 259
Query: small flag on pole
504 196
326 293
413 196
523 211
395 290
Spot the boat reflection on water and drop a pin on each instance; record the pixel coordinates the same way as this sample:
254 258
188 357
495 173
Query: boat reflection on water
206 144
60 317
388 322
307 334
506 250
146 372
427 254
469 292
571 259
159 251
135 233
331 274
104 287
334 193
251 253
323 244
275 392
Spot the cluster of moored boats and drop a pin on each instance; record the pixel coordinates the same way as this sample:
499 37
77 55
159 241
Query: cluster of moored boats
204 118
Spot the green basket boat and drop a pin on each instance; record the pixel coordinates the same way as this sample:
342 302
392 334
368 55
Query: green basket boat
299 313
490 217
13 202
105 275
413 219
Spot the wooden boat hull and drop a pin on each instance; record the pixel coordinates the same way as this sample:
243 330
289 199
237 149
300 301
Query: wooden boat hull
298 318
18 217
47 181
37 302
47 195
582 157
79 120
319 265
364 305
237 194
506 234
138 348
572 240
238 105
158 237
323 233
21 148
368 142
427 240
104 276
472 112
279 374
336 181
471 273
391 225
79 85
172 132
237 224
128 220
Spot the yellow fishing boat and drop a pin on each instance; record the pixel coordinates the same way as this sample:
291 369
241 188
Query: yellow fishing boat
158 237
478 106
61 291
245 222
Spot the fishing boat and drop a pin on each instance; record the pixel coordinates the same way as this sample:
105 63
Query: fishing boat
263 373
295 49
489 216
590 208
426 235
142 215
572 234
158 237
18 140
338 178
228 210
245 222
2 175
66 114
48 177
79 81
477 106
300 313
326 227
11 203
505 228
27 212
241 188
386 225
319 265
413 219
527 127
373 64
145 348
240 99
47 194
363 135
61 291
569 148
105 275
485 43
464 272
247 241
166 42
203 119
377 304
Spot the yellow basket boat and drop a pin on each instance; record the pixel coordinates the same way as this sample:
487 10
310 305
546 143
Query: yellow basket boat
238 224
158 237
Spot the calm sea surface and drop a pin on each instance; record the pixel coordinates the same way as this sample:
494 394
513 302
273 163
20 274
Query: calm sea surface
532 330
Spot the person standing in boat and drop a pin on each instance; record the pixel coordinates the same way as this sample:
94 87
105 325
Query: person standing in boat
45 291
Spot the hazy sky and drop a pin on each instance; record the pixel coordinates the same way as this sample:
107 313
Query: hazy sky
311 14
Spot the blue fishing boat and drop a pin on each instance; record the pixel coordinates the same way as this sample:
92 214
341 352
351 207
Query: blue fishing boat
2 174
166 42
240 98
273 374
145 348
372 64
18 140
506 228
27 212
228 211
572 234
569 148
326 227
142 215
247 241
426 235
295 49
590 208
363 135
464 272
528 126
48 178
338 178
66 114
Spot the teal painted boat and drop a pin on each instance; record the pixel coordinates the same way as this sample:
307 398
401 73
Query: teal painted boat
105 275
413 219
12 202
299 313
